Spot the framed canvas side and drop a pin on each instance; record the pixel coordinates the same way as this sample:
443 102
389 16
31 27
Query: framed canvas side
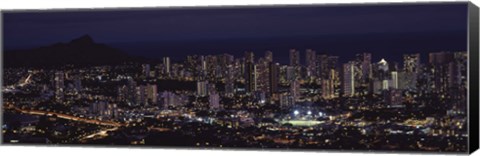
1 74
473 77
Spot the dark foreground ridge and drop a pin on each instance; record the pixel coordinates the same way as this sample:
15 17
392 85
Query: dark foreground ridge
82 51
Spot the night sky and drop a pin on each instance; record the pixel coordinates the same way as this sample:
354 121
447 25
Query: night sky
386 31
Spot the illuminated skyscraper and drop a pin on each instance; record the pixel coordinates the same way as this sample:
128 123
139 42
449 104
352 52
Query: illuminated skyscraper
294 57
202 88
230 80
381 76
363 73
411 63
152 94
394 81
295 90
286 100
440 62
214 101
98 108
170 100
291 73
141 95
393 98
249 57
274 76
311 62
146 70
349 79
77 83
167 66
263 76
59 86
250 73
411 68
364 61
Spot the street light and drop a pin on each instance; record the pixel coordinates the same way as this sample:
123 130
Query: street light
296 112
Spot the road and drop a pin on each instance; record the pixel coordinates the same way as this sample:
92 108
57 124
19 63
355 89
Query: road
65 116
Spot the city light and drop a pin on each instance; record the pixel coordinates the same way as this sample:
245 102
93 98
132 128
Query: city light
312 98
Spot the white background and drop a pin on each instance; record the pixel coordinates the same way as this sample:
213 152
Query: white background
83 151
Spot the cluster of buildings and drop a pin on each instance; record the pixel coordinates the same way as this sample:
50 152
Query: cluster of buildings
316 92
261 80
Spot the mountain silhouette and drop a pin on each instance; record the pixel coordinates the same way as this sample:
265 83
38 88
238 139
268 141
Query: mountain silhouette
82 51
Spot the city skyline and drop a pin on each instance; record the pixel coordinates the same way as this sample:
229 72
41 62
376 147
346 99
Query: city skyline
257 93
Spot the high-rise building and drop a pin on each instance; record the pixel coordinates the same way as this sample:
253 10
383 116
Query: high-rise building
230 80
411 68
295 90
364 61
202 88
59 86
311 62
294 57
152 94
329 85
286 100
394 81
363 73
146 70
77 83
349 79
439 58
250 74
250 77
382 78
291 73
132 89
98 108
274 77
141 95
170 100
393 98
411 63
249 57
329 75
458 70
167 66
440 62
263 75
214 101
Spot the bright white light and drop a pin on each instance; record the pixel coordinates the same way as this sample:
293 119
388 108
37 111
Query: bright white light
309 112
200 119
320 113
296 112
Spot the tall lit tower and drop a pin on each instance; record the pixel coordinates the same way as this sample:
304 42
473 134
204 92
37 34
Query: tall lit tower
167 65
295 90
349 79
411 67
311 62
274 76
294 57
250 72
59 86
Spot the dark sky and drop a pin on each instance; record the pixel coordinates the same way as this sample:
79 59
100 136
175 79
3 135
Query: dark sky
377 29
